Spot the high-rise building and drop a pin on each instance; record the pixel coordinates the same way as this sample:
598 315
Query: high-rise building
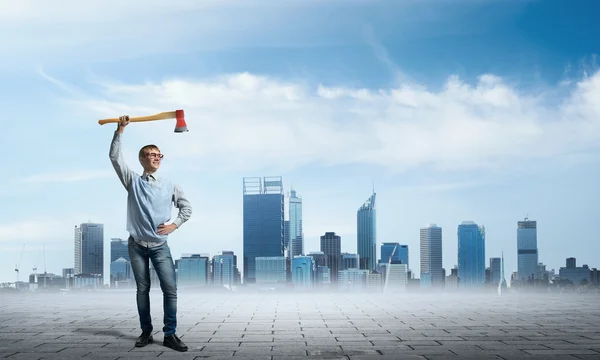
224 268
431 256
263 223
271 270
89 249
471 254
495 270
331 246
349 261
119 248
303 269
366 234
286 234
400 252
527 251
296 235
192 270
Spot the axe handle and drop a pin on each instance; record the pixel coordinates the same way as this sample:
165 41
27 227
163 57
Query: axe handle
159 116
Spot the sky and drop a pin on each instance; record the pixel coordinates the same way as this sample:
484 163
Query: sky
471 110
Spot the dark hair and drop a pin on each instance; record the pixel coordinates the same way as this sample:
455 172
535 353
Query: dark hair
147 147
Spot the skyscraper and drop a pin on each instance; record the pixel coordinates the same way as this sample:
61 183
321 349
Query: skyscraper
296 235
331 246
431 256
192 270
286 234
527 252
263 223
366 234
224 268
119 248
400 252
471 254
495 270
89 249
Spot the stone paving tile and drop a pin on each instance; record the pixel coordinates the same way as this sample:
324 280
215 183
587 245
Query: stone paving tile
297 326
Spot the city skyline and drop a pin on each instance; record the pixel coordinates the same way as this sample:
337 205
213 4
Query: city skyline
470 111
470 239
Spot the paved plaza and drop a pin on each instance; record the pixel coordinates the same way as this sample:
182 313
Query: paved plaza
104 325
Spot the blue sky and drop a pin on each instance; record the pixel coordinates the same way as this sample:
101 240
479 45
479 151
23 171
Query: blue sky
475 110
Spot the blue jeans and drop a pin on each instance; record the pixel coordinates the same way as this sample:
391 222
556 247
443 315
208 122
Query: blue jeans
165 269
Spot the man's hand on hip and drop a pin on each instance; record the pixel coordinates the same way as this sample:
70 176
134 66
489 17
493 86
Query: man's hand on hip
166 229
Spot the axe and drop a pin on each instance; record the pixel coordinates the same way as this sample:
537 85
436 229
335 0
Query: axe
180 126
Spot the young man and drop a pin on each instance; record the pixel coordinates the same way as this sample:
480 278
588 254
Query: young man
149 206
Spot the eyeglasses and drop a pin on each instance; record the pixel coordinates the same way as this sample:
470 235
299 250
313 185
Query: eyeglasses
154 155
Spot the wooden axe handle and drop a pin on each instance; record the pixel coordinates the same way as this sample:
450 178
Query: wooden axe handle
159 116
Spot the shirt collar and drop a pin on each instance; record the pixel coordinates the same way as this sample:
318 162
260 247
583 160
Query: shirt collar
149 177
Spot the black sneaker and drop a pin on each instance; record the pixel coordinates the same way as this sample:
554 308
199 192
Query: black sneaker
173 342
144 340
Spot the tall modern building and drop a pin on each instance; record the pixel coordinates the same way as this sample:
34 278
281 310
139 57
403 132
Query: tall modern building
400 253
303 268
495 270
224 268
296 235
89 249
432 273
192 270
286 234
271 270
471 255
366 234
263 223
527 251
331 246
119 248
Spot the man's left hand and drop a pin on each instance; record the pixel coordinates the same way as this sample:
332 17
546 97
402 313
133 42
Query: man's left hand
166 229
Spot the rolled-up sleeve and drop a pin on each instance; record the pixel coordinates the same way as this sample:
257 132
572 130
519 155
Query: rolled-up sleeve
183 204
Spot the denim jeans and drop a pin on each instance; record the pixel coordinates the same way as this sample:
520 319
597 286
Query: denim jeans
165 269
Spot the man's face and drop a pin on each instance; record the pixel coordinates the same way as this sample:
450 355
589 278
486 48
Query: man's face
151 159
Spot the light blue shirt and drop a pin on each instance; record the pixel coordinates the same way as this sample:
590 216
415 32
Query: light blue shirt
149 200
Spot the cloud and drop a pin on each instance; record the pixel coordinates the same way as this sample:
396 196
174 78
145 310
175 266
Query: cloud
250 122
28 230
82 175
71 31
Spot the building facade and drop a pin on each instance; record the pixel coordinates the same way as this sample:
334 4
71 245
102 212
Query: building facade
471 254
295 215
527 250
331 246
431 256
89 249
263 222
366 242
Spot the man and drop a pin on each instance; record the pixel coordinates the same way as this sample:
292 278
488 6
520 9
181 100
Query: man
149 206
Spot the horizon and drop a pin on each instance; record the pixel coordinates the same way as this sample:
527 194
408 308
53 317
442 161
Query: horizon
470 111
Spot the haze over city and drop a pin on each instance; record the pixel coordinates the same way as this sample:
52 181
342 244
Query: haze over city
469 112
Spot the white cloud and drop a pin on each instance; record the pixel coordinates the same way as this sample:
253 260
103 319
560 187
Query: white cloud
38 229
81 175
250 122
68 31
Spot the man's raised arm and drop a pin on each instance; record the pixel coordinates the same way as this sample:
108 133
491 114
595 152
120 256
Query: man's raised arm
116 157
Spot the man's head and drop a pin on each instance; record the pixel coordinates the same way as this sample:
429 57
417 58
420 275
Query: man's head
150 158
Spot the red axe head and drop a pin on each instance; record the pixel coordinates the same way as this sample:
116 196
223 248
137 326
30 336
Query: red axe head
180 126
